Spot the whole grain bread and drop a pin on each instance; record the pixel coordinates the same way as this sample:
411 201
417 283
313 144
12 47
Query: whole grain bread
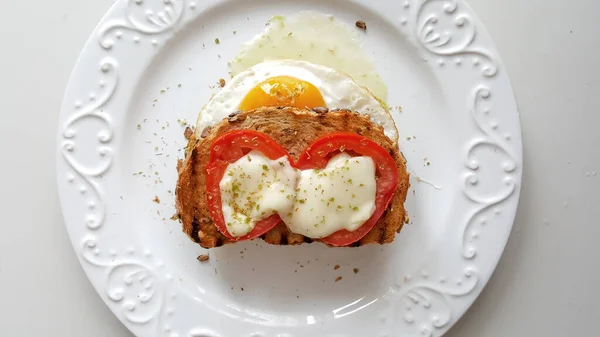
294 129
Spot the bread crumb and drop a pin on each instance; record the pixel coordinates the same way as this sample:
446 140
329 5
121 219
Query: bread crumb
175 217
337 266
222 82
338 279
355 270
361 24
203 257
156 199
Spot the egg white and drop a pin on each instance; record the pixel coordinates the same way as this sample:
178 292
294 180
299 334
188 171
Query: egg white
317 38
338 90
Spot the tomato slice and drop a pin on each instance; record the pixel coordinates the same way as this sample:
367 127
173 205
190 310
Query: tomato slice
233 145
225 150
317 155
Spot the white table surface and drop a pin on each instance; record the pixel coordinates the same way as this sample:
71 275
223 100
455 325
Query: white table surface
546 283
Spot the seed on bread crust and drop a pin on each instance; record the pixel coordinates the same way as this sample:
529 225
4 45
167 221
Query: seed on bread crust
188 132
233 117
320 110
205 132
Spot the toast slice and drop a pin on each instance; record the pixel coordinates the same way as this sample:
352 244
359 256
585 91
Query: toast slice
294 129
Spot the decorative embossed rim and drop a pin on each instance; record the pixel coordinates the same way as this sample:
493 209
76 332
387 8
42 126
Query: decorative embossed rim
138 287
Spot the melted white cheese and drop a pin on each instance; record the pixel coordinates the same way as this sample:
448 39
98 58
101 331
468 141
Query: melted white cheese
341 196
253 188
314 203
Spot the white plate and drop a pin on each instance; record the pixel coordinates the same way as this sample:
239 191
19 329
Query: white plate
458 111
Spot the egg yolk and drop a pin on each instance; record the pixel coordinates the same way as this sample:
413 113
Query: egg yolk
283 91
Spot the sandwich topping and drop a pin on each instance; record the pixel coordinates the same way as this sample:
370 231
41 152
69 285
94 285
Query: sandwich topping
340 196
336 192
255 187
226 150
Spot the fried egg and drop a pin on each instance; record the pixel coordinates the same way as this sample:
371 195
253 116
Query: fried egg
317 38
295 83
